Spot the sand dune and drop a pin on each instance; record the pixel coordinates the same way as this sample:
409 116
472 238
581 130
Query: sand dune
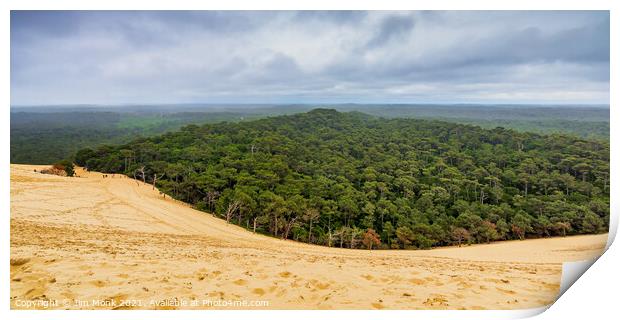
95 243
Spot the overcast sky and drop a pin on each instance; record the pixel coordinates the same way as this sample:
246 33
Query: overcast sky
309 57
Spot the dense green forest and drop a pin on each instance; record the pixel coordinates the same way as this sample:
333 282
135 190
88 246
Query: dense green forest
47 134
353 180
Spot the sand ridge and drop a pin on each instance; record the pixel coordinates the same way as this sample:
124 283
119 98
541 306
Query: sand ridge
115 239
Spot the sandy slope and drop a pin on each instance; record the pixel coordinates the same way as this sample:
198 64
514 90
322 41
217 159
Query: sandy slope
92 240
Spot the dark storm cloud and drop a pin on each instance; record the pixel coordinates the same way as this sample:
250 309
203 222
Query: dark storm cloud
309 56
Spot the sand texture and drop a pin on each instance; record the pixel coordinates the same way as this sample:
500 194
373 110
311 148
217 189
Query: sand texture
116 240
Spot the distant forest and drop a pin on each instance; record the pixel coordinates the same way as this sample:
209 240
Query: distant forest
44 135
48 137
353 180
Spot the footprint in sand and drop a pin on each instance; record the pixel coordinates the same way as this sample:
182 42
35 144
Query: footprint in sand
281 291
240 282
505 291
219 294
417 281
497 280
258 291
98 283
16 262
436 301
285 274
367 277
319 285
36 292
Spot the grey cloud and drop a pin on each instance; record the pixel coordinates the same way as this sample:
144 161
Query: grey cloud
26 25
308 56
392 27
474 57
335 16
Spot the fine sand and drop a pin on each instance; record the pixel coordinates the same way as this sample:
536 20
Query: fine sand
90 242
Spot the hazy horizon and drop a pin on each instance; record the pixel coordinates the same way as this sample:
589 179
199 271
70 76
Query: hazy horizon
378 104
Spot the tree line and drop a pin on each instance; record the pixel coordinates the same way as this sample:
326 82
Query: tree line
352 180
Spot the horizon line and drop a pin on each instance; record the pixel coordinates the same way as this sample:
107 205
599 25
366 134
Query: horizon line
307 104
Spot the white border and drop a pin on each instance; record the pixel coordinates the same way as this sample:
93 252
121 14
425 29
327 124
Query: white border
596 296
